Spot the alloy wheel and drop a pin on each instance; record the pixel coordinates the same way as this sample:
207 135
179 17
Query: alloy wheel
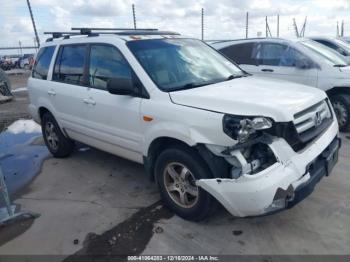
180 185
51 136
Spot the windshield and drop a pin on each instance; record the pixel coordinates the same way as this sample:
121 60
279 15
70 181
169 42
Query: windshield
176 64
325 53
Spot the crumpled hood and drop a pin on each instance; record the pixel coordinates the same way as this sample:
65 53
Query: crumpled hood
251 96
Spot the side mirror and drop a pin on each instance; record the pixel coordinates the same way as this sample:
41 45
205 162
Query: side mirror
303 64
121 86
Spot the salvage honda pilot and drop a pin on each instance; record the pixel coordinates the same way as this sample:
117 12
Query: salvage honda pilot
206 131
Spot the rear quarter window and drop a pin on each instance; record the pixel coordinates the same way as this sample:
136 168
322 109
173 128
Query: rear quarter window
42 62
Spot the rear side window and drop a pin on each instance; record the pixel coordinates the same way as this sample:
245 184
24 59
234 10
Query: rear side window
240 53
327 43
42 62
270 53
69 66
106 62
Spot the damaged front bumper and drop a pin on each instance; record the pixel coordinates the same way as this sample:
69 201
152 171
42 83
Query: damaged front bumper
282 185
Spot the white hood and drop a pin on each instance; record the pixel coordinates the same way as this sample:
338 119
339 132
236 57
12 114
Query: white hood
251 96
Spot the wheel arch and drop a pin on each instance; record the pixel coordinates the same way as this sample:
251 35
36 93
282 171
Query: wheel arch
218 166
155 148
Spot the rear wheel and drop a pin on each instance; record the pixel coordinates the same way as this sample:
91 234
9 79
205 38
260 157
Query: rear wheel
177 170
341 106
58 144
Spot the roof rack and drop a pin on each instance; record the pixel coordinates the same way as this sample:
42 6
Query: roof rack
114 31
123 31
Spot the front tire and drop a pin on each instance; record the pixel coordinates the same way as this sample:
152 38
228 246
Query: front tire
58 144
341 106
176 171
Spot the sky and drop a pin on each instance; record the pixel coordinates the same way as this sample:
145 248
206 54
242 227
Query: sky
223 19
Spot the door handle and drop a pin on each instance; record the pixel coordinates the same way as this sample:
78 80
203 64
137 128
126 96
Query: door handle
51 93
89 101
267 70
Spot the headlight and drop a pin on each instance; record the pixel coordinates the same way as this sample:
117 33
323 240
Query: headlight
241 128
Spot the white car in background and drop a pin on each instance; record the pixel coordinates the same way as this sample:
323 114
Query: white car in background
342 47
301 61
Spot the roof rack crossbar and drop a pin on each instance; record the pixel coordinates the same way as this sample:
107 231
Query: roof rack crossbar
113 29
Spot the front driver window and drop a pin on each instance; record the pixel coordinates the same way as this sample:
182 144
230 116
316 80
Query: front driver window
106 62
270 53
291 56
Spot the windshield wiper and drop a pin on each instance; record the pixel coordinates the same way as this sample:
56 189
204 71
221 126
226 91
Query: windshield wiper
191 85
339 65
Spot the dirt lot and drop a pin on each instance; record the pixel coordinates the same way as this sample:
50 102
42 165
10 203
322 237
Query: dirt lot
97 203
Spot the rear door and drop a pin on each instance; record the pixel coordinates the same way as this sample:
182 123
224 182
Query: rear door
242 54
68 88
277 60
113 120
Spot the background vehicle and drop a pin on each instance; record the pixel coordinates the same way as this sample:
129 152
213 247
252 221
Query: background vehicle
337 44
5 84
6 63
299 60
203 128
26 61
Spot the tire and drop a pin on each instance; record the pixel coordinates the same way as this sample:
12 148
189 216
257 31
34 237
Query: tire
58 144
341 106
196 208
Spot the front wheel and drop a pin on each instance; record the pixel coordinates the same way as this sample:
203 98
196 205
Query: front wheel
341 106
177 170
57 143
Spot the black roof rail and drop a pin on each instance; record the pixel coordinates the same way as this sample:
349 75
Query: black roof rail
113 29
107 31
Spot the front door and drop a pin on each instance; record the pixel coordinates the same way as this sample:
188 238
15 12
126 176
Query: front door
113 120
281 61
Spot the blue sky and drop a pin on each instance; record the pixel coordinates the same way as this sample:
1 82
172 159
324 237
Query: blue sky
224 19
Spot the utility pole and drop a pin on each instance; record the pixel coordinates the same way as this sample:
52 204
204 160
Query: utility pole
342 29
278 25
33 22
134 15
267 28
20 47
302 31
202 24
295 28
246 25
337 35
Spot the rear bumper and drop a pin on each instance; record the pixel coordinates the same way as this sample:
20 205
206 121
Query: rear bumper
282 185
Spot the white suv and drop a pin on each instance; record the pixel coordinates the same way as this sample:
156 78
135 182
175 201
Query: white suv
298 60
202 127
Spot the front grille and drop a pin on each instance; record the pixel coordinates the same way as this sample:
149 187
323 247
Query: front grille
312 117
305 127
